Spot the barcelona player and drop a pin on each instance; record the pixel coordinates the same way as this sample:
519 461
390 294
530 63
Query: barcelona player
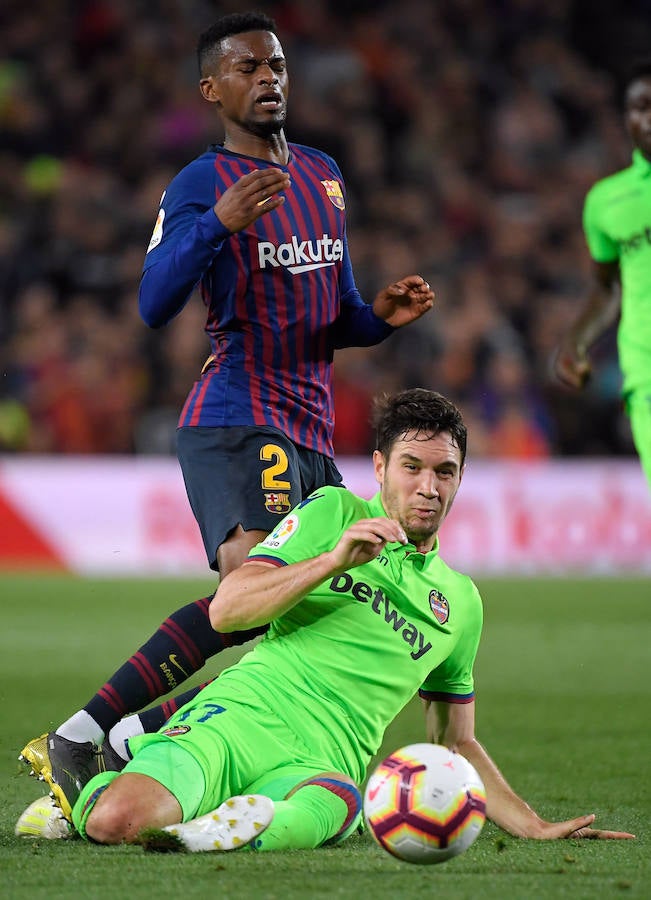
259 225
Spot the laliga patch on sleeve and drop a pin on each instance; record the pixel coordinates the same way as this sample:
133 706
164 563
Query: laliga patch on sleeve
157 233
282 534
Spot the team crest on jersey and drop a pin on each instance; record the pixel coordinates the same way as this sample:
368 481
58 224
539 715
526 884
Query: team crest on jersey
334 192
282 534
177 730
439 606
157 233
277 503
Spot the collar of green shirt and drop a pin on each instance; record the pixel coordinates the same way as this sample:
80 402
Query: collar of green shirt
641 164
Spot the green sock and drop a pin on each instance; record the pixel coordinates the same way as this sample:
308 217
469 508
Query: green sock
308 819
88 798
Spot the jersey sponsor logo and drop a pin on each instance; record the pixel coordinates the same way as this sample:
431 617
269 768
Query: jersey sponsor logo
382 606
157 234
282 534
636 241
301 256
176 730
439 606
335 194
277 503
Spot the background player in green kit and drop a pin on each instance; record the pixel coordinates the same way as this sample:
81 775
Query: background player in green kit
617 224
364 613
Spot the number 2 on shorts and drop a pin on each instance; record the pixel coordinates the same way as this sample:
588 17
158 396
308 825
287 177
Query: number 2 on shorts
278 458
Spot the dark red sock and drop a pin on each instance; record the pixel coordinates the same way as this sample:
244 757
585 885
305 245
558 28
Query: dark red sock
177 650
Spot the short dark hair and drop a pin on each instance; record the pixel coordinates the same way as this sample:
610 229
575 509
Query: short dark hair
639 68
420 410
235 23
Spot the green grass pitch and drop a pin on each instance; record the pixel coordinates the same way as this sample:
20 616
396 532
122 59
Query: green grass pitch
563 706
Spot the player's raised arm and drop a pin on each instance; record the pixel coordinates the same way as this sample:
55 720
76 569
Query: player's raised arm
258 592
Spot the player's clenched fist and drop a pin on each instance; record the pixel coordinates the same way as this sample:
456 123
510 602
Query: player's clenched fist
250 197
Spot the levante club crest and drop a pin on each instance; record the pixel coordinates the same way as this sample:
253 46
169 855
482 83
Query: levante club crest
439 606
333 190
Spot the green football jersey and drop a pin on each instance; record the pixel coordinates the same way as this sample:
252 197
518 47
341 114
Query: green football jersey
342 663
617 225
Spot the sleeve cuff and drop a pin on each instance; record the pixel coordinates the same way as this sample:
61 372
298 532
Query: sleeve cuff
211 229
446 697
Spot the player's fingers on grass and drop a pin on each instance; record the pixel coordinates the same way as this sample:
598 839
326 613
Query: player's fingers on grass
599 834
554 830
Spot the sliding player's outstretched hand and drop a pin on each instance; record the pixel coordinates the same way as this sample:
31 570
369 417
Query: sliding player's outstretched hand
364 541
403 302
250 197
580 828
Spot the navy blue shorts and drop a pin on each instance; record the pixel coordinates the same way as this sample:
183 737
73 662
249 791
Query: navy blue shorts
246 475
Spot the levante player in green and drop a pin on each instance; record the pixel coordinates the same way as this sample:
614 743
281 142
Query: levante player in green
617 225
364 613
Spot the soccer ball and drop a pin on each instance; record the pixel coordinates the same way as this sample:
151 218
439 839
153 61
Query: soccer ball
425 804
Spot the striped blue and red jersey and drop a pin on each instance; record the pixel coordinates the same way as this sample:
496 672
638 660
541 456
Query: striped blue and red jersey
280 295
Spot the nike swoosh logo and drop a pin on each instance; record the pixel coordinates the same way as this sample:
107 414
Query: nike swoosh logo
175 663
374 791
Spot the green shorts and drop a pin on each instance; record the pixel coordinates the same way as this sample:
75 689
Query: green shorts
207 753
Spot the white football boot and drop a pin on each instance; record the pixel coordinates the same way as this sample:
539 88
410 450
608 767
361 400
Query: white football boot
44 819
233 824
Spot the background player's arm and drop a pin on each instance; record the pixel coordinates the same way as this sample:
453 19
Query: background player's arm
258 592
453 724
600 312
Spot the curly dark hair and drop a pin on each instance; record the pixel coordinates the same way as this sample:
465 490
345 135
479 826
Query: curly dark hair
208 48
420 410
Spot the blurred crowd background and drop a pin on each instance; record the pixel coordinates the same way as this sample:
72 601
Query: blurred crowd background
468 133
